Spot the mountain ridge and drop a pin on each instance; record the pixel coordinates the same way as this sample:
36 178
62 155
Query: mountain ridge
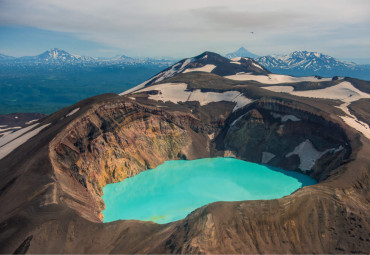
297 63
57 56
300 63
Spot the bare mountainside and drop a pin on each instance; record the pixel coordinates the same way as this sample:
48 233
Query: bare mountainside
53 170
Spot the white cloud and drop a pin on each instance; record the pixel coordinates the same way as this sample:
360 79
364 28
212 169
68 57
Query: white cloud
183 28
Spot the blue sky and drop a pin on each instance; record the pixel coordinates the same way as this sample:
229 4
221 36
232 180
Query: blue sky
339 28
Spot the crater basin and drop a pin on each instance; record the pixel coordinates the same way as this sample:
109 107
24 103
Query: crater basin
174 189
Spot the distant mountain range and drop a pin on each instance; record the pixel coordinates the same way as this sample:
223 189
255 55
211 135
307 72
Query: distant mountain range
297 63
304 63
60 57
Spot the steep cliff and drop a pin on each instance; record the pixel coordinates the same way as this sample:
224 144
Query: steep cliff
114 141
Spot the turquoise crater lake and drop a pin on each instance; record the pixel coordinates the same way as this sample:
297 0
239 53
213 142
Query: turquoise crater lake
174 189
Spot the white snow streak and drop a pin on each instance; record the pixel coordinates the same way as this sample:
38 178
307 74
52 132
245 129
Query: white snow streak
9 147
7 138
236 120
73 112
285 118
31 121
11 128
258 66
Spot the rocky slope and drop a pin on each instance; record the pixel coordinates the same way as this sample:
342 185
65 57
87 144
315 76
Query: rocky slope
52 196
12 122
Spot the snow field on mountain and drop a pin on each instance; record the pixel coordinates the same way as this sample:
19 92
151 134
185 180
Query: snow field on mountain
16 141
343 91
177 92
308 155
206 68
274 78
6 139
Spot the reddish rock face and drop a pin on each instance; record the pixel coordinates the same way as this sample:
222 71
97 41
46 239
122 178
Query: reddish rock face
51 187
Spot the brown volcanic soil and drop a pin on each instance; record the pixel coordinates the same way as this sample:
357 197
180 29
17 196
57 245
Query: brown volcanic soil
360 108
50 187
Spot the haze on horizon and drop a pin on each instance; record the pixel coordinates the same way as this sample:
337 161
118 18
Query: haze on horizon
166 28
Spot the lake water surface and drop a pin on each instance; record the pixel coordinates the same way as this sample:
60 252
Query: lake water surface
174 189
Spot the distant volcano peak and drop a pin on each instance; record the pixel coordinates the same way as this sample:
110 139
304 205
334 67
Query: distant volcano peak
241 52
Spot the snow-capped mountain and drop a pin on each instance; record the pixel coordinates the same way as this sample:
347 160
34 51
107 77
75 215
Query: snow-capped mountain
304 60
241 52
58 57
209 62
301 63
55 56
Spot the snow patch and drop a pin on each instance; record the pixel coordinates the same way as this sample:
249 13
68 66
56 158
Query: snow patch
357 124
169 73
282 89
73 112
206 68
266 157
31 121
258 66
236 59
186 62
308 155
343 91
7 138
274 78
161 76
9 147
285 118
177 92
353 122
2 134
140 86
7 129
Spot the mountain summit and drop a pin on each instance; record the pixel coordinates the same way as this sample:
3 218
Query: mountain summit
208 62
303 63
54 56
241 52
58 55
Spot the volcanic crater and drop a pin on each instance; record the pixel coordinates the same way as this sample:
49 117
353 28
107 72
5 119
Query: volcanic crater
51 186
